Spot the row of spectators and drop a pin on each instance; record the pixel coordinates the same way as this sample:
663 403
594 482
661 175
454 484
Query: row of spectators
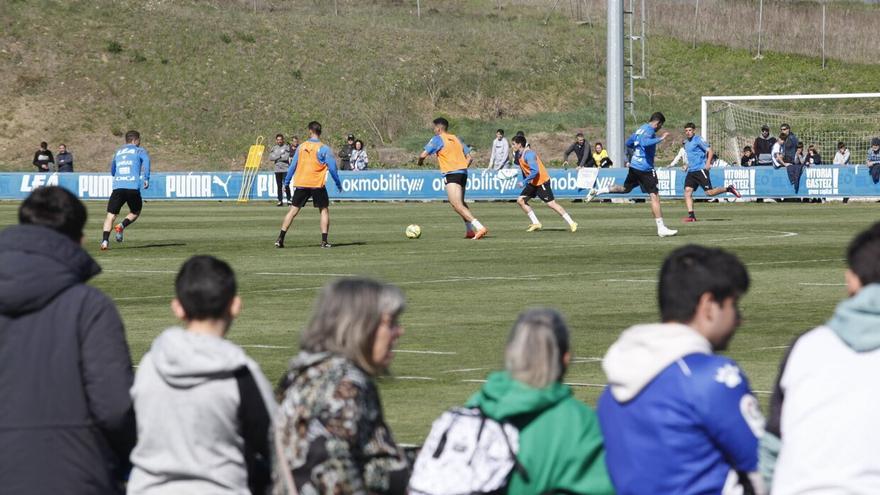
586 155
199 416
45 161
786 149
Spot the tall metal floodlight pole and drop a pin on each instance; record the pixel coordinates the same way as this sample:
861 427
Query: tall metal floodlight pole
614 84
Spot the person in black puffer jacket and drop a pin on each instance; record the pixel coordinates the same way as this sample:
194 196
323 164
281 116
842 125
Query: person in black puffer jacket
66 418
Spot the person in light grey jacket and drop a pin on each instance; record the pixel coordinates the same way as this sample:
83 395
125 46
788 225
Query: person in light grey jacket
280 156
500 151
359 158
203 407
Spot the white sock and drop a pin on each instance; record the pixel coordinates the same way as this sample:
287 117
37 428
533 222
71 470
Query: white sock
660 224
532 217
476 224
567 218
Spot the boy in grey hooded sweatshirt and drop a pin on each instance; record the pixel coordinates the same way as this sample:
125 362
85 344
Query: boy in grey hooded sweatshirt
822 433
203 407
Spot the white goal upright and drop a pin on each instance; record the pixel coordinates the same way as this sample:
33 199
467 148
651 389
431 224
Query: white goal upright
730 123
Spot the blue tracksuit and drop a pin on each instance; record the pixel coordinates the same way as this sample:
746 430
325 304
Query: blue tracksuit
697 149
644 142
684 432
129 166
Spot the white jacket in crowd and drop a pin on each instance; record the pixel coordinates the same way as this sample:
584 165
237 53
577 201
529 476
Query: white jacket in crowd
500 154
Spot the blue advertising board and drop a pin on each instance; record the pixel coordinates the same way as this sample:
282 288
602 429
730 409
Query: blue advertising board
427 185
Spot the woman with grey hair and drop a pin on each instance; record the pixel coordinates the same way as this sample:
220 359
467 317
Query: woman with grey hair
560 442
330 434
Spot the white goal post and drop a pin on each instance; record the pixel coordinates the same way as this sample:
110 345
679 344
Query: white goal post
732 122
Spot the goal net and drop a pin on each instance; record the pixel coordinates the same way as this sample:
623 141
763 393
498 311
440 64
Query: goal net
730 123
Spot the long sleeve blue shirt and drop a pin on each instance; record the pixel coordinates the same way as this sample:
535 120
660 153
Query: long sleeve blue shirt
130 165
644 143
325 156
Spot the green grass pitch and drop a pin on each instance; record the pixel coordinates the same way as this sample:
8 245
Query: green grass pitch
464 295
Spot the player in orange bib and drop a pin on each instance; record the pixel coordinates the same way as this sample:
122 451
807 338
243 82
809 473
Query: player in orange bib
309 167
537 183
454 158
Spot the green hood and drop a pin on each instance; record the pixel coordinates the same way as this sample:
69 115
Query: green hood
503 397
857 319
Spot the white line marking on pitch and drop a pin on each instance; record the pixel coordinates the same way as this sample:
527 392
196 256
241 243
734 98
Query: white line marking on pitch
586 360
141 271
465 370
263 346
437 353
818 284
422 378
627 280
770 348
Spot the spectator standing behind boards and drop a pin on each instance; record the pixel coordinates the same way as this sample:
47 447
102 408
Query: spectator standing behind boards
331 433
763 147
500 156
676 417
64 159
800 158
600 156
748 158
294 144
822 433
43 158
813 156
842 156
66 421
560 441
203 407
345 153
581 149
789 146
280 155
359 158
873 160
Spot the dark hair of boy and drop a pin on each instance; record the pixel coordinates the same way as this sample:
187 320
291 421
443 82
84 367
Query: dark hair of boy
520 140
441 122
690 125
56 208
500 131
205 287
691 271
315 127
863 253
132 136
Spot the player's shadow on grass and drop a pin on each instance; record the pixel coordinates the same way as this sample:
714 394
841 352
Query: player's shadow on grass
150 246
714 220
345 244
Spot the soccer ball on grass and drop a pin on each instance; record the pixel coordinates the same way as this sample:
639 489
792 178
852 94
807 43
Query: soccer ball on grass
413 231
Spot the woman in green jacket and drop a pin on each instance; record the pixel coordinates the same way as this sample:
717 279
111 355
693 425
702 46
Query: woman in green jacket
560 443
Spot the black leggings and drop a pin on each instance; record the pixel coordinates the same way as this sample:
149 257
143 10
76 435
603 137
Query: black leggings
279 183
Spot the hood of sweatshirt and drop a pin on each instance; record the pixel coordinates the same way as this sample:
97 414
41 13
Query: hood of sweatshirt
502 397
186 359
643 351
37 264
857 320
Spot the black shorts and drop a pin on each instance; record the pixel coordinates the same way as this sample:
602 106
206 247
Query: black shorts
460 179
318 195
119 197
646 180
543 191
700 178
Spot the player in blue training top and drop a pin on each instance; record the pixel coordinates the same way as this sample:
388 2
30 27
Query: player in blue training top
699 161
130 168
641 169
676 417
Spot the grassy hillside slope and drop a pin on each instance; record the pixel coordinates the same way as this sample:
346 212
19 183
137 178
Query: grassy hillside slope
201 79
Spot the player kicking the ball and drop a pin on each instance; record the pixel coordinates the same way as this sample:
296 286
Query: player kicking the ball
537 183
699 160
308 169
129 166
453 158
641 169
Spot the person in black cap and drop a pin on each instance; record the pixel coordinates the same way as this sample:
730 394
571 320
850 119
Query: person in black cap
345 153
763 147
